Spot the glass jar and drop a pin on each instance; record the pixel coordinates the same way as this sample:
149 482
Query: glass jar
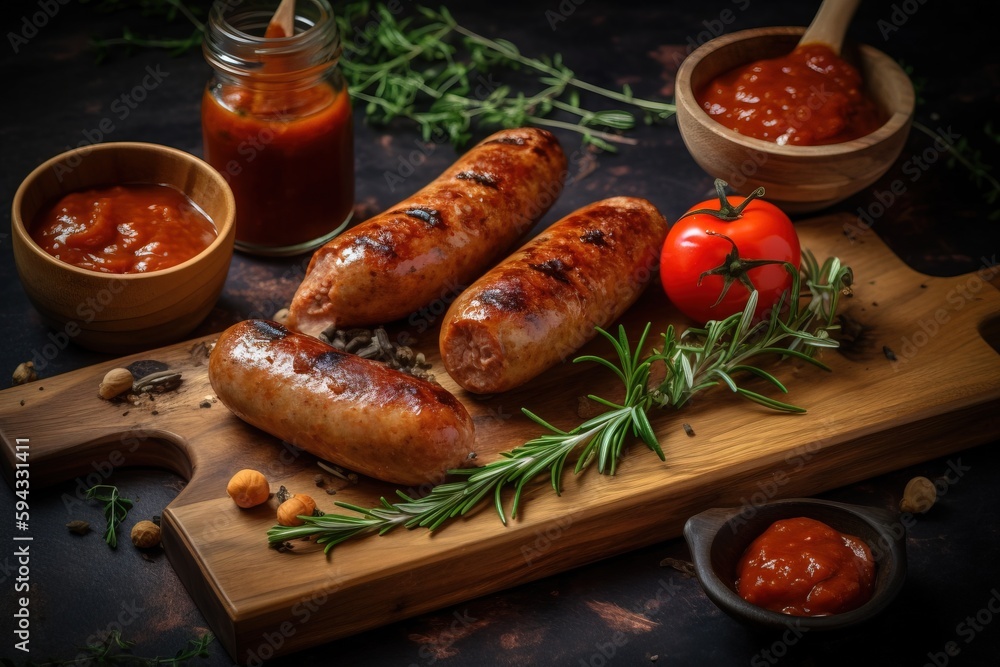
277 124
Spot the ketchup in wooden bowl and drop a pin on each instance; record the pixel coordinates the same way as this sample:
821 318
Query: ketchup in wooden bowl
809 97
134 228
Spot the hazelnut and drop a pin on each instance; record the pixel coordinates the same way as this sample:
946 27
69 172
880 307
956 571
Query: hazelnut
116 382
919 496
296 506
24 373
145 535
78 527
248 488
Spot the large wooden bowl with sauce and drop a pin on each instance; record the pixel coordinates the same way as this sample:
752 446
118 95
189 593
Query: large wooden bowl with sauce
799 179
118 313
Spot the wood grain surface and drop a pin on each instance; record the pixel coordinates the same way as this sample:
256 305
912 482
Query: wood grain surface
870 415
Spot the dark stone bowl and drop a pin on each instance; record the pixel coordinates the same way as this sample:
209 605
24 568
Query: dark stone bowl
718 538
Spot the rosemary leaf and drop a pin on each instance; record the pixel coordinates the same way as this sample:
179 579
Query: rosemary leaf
116 508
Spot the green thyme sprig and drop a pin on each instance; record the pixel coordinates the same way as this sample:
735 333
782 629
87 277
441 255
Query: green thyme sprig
962 152
695 360
166 11
116 508
426 68
432 70
113 650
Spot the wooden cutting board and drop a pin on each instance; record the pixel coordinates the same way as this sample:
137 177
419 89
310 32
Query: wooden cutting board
869 416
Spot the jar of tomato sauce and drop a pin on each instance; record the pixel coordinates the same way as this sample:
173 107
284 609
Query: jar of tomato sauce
277 124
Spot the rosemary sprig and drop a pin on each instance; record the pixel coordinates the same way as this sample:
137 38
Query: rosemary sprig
695 360
116 508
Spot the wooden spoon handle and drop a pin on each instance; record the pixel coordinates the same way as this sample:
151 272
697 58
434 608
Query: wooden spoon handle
830 24
283 22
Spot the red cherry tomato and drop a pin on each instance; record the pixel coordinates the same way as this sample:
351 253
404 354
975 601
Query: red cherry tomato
716 254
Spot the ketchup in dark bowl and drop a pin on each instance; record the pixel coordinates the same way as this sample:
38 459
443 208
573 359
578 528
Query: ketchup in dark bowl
804 567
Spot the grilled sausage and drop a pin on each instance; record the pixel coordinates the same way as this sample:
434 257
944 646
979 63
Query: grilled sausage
438 241
351 411
543 303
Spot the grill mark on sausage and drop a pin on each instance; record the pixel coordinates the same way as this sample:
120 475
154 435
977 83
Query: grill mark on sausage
554 268
270 330
595 237
447 399
382 244
516 141
487 180
429 215
504 298
328 360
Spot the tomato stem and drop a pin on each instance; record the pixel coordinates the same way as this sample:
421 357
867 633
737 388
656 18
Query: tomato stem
727 212
734 267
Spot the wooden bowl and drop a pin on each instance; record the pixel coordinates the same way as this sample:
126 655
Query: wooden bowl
122 313
798 179
718 537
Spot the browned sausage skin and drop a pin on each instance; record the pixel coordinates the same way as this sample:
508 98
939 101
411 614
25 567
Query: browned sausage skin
542 303
436 242
350 411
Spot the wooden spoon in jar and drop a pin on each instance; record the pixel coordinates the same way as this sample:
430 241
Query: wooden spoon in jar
830 24
282 24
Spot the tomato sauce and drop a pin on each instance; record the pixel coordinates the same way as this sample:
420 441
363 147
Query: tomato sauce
288 157
803 567
124 229
809 97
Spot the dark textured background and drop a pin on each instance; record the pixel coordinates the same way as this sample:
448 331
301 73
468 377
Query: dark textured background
606 613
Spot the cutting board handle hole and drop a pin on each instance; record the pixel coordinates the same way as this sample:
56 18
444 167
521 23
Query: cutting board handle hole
989 329
105 458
